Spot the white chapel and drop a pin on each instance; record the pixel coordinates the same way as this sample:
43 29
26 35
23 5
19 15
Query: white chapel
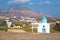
43 26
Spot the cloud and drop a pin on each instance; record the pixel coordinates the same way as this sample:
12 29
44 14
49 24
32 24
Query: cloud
30 3
58 2
45 2
18 1
49 2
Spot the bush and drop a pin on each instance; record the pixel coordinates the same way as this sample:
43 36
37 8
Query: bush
18 23
52 28
3 28
2 23
27 28
57 27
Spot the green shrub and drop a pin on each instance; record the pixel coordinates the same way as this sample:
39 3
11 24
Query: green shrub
19 23
3 28
27 28
2 23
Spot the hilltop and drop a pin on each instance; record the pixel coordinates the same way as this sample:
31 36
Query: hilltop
22 12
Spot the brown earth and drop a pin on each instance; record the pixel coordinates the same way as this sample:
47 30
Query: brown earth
28 36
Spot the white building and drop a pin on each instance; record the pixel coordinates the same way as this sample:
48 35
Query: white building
42 27
8 23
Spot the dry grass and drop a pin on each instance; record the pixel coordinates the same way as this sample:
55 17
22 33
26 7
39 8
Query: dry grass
28 36
16 30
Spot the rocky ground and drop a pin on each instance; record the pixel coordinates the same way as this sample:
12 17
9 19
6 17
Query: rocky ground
28 36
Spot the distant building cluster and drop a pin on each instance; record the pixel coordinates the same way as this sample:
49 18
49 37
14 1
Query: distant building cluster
4 17
24 19
28 19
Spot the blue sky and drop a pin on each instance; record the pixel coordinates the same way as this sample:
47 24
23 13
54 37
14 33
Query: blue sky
51 7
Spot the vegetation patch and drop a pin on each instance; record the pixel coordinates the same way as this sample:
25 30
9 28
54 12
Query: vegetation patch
27 28
4 28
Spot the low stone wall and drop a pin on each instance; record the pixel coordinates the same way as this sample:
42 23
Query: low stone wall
16 30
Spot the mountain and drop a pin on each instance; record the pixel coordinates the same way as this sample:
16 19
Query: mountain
22 12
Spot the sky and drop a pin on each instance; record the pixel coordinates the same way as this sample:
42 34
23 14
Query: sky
50 7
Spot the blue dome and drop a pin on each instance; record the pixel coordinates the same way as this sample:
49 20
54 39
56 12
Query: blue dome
44 19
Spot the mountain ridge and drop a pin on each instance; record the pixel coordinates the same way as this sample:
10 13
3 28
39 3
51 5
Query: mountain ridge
23 12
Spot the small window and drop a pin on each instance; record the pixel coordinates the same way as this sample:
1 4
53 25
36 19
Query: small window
43 26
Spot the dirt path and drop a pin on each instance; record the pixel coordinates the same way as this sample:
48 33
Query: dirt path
28 36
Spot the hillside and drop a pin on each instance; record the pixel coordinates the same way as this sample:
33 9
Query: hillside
22 12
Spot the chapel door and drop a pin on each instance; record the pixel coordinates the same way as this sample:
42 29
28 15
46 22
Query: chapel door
43 29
